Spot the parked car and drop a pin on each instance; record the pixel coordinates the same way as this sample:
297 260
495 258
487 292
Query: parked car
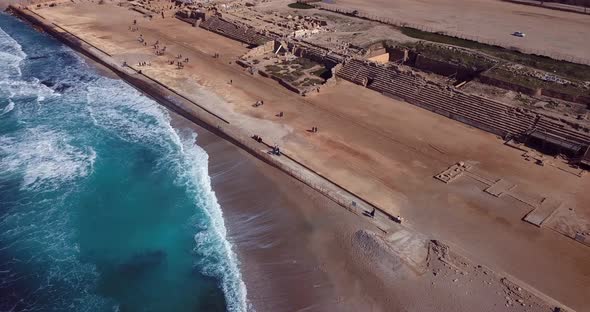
519 34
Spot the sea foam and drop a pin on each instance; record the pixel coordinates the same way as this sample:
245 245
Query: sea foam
34 228
133 117
8 108
44 158
47 158
214 240
11 55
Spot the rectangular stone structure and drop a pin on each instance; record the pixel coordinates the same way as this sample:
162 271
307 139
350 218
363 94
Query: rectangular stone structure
540 214
500 187
453 172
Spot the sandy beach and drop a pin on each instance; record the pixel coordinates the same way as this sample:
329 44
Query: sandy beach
300 250
289 238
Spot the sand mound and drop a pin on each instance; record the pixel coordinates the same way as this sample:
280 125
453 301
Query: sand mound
373 249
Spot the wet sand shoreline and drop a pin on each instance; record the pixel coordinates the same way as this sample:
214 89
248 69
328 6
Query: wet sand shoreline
294 270
273 217
289 239
300 251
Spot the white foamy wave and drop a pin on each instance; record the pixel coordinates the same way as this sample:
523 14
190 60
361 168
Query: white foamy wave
211 242
135 118
16 89
11 55
8 108
11 84
44 158
126 113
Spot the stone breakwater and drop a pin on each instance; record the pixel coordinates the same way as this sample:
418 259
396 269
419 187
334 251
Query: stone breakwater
202 117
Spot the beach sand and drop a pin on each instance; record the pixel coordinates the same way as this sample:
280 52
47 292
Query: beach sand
289 238
299 250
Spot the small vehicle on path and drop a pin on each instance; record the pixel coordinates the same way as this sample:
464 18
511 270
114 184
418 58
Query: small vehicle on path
519 34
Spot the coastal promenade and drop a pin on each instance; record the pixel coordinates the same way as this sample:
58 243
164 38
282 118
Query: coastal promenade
205 118
365 154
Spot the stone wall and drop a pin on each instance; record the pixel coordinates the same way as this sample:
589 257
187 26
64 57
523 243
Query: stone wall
486 114
400 55
572 2
509 85
443 68
260 50
566 97
212 122
232 30
282 82
375 49
382 58
314 55
581 99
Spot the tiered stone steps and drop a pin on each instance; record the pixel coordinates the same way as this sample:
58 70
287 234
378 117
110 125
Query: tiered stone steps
354 71
561 130
243 34
480 112
586 158
319 54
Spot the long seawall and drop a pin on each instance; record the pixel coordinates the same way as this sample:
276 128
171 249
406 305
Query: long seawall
200 115
216 124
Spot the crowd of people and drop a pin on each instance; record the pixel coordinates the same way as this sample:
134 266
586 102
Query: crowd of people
158 50
180 62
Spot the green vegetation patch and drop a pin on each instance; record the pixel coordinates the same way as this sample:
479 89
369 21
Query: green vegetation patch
287 76
298 73
307 82
322 73
532 82
305 63
451 55
294 70
273 68
511 77
302 6
565 69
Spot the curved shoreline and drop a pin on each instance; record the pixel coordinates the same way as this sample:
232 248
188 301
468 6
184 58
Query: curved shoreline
294 264
274 224
53 155
205 118
195 114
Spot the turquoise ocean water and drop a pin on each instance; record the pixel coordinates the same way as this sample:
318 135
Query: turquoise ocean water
103 205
